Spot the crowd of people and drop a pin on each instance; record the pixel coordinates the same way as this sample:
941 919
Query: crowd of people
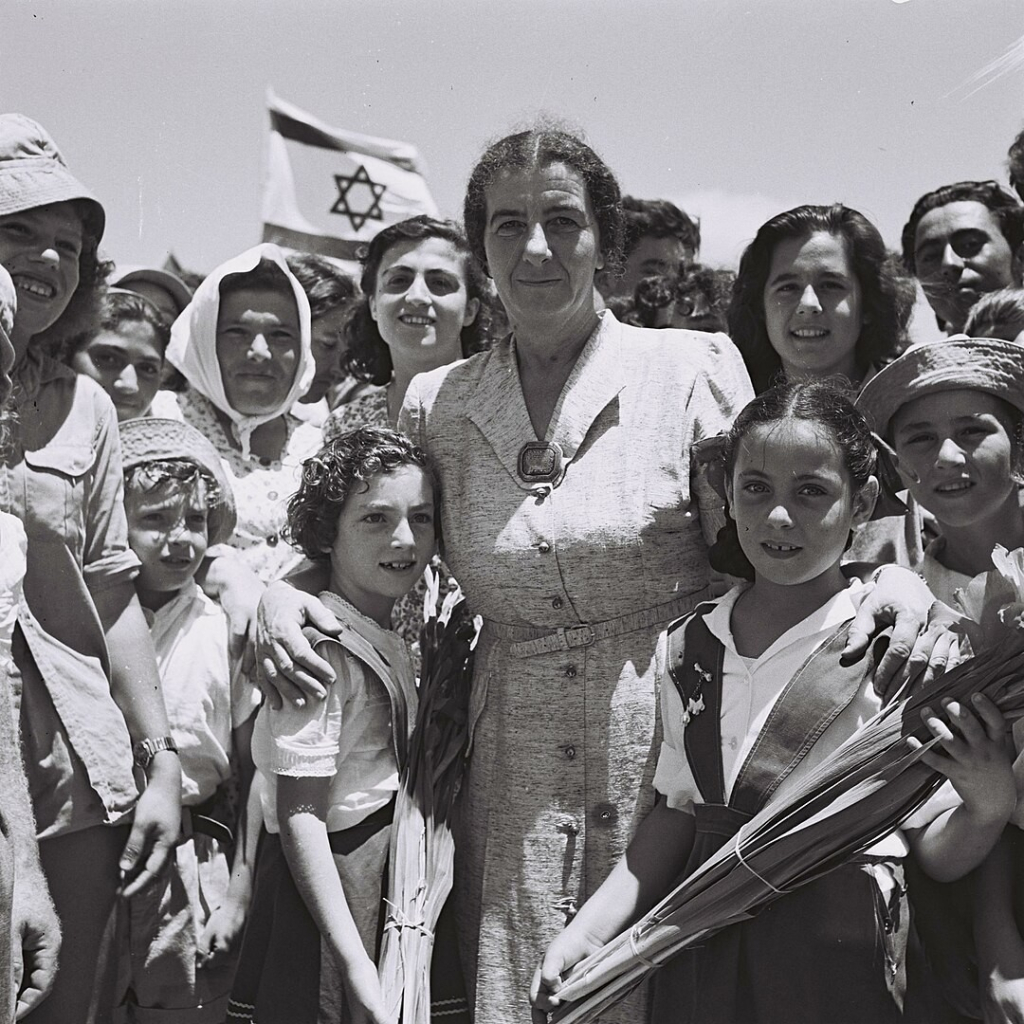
681 501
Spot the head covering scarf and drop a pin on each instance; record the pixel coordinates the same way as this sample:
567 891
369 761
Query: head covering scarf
193 347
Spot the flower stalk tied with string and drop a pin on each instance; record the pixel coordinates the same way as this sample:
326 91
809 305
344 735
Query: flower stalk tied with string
422 848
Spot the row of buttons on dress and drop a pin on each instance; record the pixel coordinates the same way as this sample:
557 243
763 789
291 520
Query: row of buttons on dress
545 549
602 814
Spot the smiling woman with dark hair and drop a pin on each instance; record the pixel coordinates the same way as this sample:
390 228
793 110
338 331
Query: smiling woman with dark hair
816 295
563 456
423 306
423 295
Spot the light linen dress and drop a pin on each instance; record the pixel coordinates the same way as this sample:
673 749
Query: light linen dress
565 743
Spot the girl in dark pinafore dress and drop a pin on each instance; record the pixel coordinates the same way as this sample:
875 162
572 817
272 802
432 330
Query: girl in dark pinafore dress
754 697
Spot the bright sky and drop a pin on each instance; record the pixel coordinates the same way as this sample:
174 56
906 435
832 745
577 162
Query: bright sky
736 110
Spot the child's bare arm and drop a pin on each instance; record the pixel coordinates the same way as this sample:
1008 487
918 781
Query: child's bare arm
656 856
249 820
224 927
226 579
974 756
302 811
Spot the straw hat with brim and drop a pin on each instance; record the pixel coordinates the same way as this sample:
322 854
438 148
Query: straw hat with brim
980 364
33 173
150 439
170 283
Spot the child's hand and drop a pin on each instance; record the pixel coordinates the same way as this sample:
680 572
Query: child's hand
974 756
1002 997
364 997
222 931
565 952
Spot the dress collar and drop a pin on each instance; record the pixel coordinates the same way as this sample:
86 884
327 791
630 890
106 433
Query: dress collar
836 611
498 407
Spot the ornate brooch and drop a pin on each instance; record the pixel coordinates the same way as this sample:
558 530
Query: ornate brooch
541 462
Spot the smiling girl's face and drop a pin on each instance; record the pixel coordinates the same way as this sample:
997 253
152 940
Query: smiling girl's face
386 536
40 248
127 363
421 303
813 307
793 500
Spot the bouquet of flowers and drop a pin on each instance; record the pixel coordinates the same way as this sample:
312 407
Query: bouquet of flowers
854 798
995 599
422 850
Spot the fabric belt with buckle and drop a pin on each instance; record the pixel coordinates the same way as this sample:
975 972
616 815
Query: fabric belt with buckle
528 641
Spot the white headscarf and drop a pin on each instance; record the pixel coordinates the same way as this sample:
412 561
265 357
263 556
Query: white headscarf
193 346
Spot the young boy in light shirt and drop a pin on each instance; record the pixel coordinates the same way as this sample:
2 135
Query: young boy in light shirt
181 936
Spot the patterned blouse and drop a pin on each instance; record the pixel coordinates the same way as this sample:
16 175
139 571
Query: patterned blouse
262 488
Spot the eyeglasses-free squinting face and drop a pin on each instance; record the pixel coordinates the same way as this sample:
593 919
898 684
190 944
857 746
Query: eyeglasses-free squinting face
40 248
543 246
258 342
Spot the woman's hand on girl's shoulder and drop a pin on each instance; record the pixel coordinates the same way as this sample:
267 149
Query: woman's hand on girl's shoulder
922 645
287 666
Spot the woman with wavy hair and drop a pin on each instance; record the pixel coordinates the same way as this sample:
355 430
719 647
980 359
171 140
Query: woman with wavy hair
817 295
563 455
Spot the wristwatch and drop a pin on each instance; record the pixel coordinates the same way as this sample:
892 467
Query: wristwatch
145 750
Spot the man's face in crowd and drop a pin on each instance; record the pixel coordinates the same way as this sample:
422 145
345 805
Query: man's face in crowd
651 256
960 253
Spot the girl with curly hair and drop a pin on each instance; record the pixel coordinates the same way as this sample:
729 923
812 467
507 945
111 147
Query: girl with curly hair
329 769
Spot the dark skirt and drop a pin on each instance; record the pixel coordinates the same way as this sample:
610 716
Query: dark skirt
285 974
831 951
448 1001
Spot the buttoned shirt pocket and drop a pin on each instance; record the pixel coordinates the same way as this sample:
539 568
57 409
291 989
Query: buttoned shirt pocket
88 728
55 485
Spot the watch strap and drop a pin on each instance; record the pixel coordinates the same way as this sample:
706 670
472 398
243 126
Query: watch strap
145 750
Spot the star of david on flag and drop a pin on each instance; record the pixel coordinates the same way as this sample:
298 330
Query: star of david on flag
328 190
343 204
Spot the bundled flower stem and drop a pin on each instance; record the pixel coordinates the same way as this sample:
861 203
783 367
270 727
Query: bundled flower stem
858 795
422 850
